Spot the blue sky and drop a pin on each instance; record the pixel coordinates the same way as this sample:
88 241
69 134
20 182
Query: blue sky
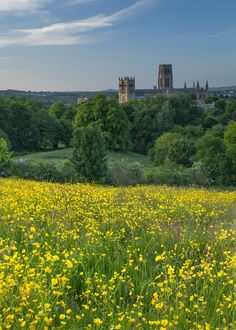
87 44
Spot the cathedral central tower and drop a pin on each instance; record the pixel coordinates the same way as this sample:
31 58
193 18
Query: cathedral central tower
165 78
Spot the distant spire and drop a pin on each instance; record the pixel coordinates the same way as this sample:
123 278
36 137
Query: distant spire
207 85
198 85
194 85
185 85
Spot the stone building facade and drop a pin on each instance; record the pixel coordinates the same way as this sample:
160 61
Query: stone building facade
128 92
126 89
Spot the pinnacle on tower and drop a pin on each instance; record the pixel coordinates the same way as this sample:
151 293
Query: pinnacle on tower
198 85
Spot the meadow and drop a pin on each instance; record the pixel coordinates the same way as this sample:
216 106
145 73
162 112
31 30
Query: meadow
91 257
59 157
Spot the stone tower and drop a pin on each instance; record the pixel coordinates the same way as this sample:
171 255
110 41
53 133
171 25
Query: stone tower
126 89
165 78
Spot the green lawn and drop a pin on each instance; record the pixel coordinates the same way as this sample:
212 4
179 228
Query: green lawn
59 157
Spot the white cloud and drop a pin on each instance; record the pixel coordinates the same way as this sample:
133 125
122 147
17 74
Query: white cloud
138 5
68 33
21 5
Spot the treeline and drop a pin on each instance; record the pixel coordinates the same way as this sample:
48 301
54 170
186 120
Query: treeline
186 143
30 126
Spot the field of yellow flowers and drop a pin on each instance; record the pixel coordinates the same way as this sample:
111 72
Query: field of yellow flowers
93 257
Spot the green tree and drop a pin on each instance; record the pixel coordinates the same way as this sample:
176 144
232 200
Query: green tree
57 109
89 153
118 129
159 153
230 144
106 114
230 110
180 151
5 137
64 117
230 134
211 152
171 148
190 132
5 154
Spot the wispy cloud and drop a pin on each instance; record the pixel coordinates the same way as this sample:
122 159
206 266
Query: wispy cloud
68 33
223 33
21 5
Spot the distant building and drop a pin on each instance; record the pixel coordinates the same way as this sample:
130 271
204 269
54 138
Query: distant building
202 93
126 89
82 99
165 78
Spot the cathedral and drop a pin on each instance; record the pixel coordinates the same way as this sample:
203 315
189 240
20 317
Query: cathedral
127 90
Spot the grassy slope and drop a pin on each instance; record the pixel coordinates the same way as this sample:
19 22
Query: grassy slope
58 157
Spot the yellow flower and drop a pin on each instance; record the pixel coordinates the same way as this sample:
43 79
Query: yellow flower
54 281
48 270
160 257
164 322
23 323
97 321
47 320
118 326
69 264
62 316
47 305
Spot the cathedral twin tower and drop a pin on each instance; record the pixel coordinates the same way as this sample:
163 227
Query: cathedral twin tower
165 85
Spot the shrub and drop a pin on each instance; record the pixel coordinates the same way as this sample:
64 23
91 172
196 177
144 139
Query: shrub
29 171
49 173
123 173
69 173
177 176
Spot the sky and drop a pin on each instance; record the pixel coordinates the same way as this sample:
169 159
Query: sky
79 45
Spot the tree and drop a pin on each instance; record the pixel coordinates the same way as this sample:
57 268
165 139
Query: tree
64 117
5 137
230 110
118 129
106 114
159 153
89 153
212 153
230 134
171 148
57 109
230 143
152 119
4 152
180 151
189 132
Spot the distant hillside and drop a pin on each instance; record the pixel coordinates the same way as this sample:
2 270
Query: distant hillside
227 88
68 98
